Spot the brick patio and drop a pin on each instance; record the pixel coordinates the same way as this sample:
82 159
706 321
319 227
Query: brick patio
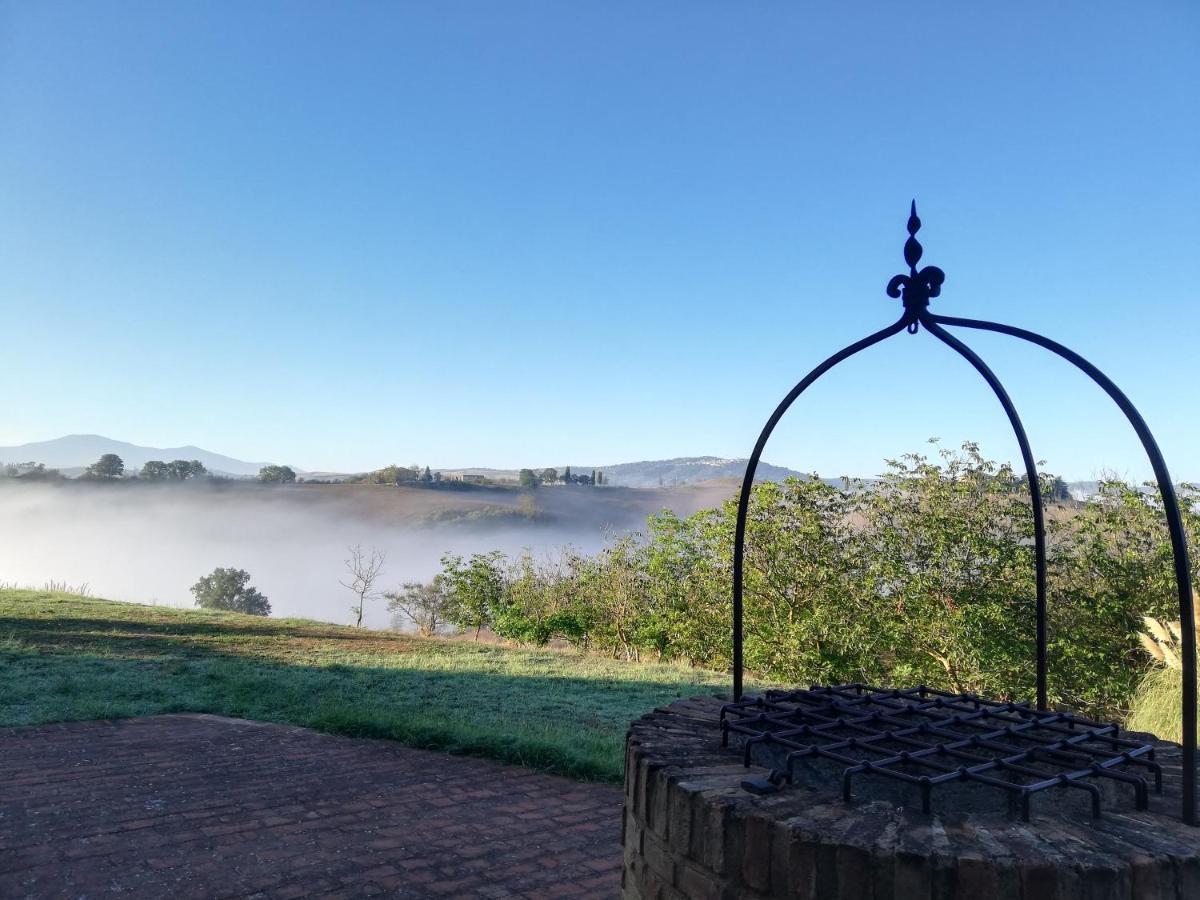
187 806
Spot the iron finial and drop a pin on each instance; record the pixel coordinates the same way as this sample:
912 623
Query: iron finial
917 288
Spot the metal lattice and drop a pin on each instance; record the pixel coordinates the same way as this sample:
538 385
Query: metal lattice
916 289
925 738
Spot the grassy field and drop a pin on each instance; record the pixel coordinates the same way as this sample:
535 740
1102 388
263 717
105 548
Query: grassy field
65 657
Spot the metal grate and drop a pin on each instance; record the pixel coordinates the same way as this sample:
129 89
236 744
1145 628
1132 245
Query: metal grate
926 737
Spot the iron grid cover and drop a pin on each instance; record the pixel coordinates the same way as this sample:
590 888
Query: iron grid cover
927 738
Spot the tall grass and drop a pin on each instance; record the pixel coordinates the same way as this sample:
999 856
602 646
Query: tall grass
1157 705
1158 702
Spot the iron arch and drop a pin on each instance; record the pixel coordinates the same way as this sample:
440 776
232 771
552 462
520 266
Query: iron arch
916 289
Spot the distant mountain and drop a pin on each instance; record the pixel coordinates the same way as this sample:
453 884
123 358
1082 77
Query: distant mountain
75 451
688 470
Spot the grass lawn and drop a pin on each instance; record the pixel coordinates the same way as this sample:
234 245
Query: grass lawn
65 657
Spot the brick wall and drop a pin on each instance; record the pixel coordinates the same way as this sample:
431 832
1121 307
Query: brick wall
690 831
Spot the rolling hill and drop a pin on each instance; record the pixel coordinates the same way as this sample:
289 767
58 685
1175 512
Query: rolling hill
72 453
75 451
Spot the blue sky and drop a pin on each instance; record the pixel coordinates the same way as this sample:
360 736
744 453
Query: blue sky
341 235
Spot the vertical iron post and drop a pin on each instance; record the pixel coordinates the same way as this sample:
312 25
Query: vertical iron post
1035 495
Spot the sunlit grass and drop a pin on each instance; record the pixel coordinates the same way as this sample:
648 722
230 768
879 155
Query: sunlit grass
1158 704
65 657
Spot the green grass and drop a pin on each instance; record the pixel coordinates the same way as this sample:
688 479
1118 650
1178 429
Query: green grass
64 657
1158 704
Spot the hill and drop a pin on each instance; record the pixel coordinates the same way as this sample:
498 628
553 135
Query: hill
74 451
67 658
688 470
654 473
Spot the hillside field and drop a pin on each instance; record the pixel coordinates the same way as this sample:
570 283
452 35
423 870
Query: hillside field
65 657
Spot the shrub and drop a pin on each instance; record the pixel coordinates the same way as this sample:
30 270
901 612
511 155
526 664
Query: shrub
230 589
924 575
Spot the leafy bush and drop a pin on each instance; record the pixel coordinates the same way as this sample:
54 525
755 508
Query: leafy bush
923 576
229 589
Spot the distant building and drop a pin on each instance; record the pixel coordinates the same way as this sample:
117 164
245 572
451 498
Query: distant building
465 477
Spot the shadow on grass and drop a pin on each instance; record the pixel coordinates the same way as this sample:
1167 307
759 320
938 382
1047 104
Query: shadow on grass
236 627
79 668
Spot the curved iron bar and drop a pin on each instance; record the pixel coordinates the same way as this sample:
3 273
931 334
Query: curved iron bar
1179 549
752 466
1035 489
917 288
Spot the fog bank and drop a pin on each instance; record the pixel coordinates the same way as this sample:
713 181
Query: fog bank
148 543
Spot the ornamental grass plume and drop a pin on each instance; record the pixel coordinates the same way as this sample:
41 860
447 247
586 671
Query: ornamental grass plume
1162 640
1156 704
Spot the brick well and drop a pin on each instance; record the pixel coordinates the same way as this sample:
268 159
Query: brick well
690 830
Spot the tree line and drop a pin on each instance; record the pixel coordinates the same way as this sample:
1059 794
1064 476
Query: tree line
924 576
111 467
424 477
528 478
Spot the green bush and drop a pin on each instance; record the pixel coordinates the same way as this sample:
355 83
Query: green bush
229 589
925 575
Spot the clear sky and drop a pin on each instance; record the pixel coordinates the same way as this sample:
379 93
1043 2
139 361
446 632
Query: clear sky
342 235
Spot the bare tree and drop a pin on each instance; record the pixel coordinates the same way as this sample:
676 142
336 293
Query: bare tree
364 572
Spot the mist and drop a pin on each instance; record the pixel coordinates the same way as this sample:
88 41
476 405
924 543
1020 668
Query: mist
149 543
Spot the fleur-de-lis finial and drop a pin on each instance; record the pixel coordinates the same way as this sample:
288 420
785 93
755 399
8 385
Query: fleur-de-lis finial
917 288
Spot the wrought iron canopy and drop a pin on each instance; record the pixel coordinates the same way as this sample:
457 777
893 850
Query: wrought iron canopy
916 289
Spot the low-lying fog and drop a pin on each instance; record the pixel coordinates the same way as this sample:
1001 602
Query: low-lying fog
148 543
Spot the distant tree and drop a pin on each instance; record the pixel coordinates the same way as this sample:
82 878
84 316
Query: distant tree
106 467
277 475
527 506
155 470
1059 492
427 476
527 479
425 605
567 477
176 470
593 481
549 476
437 477
184 469
599 478
36 471
392 474
364 572
230 589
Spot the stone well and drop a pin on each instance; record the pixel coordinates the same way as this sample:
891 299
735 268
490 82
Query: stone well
691 830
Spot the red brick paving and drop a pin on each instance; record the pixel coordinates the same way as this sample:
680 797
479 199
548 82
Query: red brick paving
192 806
